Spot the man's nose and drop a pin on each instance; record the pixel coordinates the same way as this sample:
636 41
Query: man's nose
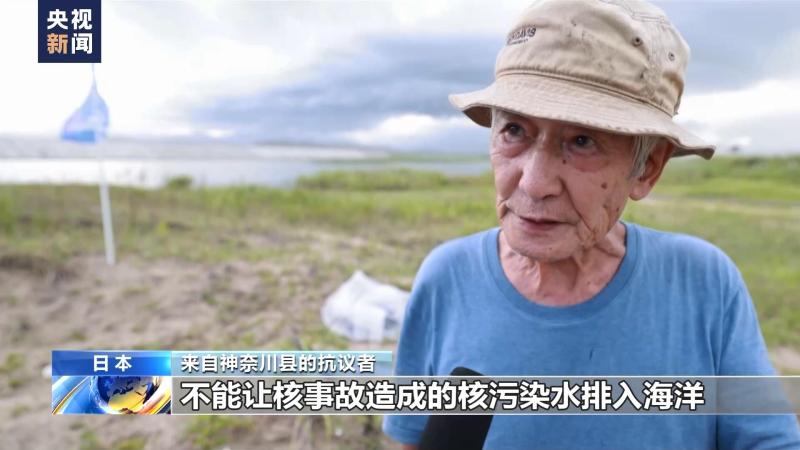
541 171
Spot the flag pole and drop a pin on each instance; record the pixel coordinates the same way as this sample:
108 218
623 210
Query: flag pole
108 228
105 205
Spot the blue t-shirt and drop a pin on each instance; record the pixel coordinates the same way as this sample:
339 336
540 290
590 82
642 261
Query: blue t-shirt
676 306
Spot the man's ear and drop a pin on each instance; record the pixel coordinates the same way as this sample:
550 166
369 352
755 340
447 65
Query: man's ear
654 166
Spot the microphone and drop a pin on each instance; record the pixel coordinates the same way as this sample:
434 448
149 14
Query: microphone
466 432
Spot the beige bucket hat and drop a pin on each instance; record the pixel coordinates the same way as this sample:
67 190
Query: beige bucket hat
613 65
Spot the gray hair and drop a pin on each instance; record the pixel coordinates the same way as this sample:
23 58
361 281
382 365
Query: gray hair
643 145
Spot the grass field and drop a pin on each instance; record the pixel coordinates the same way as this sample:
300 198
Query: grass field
249 267
749 207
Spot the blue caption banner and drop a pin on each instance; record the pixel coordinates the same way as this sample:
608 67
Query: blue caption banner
281 363
141 381
100 362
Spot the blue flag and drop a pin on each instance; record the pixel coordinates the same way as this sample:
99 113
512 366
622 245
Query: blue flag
89 122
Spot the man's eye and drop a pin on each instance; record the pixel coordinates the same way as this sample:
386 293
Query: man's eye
514 131
581 144
583 141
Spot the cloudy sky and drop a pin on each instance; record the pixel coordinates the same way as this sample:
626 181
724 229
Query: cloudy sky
372 73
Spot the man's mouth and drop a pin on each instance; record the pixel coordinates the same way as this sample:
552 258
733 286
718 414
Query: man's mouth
537 224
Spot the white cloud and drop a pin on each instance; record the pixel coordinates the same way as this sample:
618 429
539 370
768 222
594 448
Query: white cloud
161 59
218 133
723 108
739 117
406 127
151 74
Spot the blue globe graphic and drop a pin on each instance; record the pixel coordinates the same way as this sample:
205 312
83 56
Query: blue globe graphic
122 395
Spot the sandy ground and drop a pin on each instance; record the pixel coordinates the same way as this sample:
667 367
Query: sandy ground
84 304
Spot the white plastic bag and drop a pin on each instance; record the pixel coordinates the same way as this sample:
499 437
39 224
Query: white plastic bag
364 309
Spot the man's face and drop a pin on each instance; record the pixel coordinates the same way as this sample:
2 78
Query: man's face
560 187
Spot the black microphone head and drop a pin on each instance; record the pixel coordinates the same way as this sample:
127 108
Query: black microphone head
464 372
456 432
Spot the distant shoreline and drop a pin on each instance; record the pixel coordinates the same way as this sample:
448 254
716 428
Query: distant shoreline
155 172
51 148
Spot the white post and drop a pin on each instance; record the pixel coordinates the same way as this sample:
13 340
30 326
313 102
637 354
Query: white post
105 200
105 206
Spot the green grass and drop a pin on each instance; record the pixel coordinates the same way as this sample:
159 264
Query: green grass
131 443
90 441
742 178
748 207
13 363
391 180
781 169
213 432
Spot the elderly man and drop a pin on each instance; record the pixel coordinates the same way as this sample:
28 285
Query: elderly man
581 117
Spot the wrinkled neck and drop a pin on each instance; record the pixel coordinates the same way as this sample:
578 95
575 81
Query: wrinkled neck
568 281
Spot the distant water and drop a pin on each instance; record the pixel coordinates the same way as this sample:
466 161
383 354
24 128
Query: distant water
149 164
154 173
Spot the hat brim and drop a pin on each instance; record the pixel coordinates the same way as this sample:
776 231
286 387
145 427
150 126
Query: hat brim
575 102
